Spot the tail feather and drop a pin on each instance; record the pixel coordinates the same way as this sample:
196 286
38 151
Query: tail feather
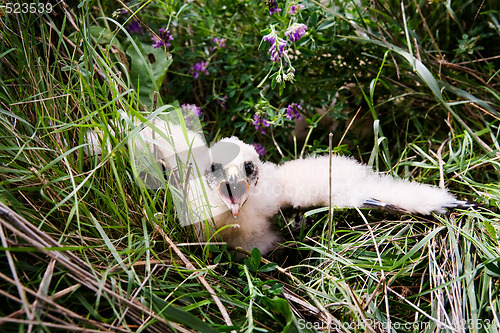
460 204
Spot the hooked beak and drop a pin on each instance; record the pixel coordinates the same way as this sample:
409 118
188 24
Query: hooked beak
233 191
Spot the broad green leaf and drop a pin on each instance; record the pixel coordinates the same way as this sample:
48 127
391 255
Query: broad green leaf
268 267
147 70
256 257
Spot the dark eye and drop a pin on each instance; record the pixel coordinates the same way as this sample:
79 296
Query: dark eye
249 168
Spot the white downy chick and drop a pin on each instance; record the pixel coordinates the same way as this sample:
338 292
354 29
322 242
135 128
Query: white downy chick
241 193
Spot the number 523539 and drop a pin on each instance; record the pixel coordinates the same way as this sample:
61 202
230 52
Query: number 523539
24 8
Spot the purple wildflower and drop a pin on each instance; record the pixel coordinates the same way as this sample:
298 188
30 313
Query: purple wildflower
260 149
277 46
271 38
222 102
220 43
199 67
277 50
164 39
296 31
260 123
273 7
135 28
293 111
192 108
294 8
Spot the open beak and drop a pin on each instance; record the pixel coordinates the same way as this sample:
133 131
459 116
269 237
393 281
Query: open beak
233 190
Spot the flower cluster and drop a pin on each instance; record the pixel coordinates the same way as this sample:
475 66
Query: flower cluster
277 49
260 123
260 149
293 111
191 108
296 31
273 7
294 8
279 46
199 67
164 39
219 42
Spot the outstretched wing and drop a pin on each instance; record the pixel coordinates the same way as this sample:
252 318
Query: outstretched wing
306 182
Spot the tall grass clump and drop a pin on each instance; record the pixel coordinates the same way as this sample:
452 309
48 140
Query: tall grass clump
409 87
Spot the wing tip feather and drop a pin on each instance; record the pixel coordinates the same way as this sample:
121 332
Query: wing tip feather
457 204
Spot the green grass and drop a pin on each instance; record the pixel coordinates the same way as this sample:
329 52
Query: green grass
84 248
